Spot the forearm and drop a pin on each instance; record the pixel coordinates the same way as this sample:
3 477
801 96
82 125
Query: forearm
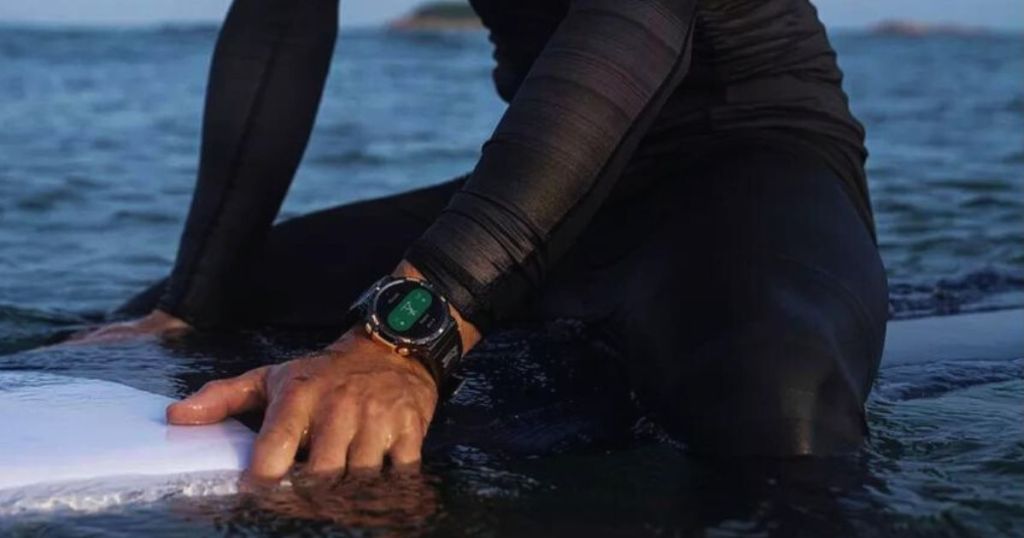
558 151
265 84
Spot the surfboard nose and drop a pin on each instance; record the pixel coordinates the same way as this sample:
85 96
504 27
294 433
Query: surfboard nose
60 429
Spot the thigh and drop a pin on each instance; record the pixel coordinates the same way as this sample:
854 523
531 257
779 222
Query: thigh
310 268
752 316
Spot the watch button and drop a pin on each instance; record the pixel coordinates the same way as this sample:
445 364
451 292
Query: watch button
403 351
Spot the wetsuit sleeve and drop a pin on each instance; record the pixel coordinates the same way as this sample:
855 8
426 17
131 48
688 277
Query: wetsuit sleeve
265 83
556 153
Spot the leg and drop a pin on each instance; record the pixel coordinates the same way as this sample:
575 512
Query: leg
312 267
752 318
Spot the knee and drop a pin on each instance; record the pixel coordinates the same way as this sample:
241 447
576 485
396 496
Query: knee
767 358
765 389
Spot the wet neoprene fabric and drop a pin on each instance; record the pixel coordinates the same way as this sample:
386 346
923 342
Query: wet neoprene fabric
684 177
595 86
739 291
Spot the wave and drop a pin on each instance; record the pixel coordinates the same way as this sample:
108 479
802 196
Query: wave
928 380
978 290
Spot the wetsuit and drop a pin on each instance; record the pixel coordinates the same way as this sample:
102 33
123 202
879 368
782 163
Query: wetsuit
683 175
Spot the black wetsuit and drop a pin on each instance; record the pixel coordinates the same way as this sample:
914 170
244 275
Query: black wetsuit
683 175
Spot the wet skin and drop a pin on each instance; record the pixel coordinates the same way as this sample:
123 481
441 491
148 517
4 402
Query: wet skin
354 404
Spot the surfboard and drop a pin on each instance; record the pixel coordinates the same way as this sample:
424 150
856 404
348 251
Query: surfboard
995 335
61 429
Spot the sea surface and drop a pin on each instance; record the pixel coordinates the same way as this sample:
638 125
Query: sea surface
99 135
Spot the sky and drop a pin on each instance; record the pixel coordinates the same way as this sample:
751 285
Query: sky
1001 14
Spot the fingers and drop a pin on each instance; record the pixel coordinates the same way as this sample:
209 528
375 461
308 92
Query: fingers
220 399
349 434
286 421
104 335
397 433
406 452
331 439
358 412
155 324
367 450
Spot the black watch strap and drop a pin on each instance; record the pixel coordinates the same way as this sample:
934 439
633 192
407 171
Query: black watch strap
442 358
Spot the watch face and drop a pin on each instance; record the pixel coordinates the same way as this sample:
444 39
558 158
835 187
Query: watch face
410 311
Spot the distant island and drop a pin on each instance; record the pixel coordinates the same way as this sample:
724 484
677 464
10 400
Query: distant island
920 29
446 15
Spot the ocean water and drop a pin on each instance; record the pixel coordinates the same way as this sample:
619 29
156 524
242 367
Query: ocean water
98 144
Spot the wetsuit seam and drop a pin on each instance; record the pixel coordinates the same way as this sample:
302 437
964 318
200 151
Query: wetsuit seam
234 169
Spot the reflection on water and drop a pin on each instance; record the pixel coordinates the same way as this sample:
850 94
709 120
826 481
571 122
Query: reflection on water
393 502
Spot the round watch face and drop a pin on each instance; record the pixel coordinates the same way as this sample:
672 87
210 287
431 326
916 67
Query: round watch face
408 310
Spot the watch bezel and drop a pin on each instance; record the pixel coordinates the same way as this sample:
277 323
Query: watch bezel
379 328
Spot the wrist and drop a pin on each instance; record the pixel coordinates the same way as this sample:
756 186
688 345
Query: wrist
404 313
357 342
469 335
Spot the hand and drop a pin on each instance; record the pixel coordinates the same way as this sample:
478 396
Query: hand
354 403
156 323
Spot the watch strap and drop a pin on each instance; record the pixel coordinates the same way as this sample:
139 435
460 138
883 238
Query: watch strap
443 356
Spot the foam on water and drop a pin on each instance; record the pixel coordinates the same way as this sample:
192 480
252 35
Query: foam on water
109 492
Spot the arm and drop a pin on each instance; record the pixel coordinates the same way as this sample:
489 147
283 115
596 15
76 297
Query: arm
266 78
265 83
557 152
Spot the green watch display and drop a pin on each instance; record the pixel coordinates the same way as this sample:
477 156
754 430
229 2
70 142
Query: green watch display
409 316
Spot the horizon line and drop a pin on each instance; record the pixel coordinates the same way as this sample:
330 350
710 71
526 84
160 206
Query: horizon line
213 24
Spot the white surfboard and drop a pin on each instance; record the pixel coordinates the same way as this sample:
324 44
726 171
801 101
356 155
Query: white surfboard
56 429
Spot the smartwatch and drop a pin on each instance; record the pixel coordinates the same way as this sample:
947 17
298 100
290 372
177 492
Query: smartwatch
410 317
